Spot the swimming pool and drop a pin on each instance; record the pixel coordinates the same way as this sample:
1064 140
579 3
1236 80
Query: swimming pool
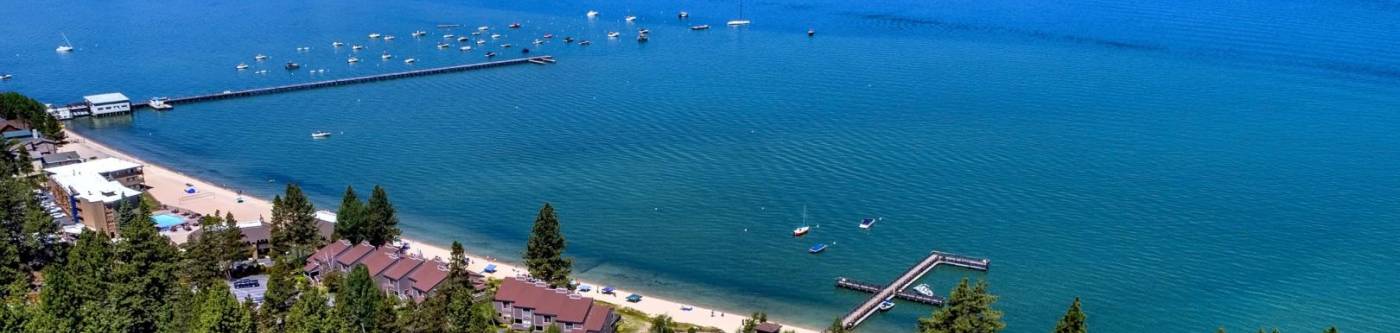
165 221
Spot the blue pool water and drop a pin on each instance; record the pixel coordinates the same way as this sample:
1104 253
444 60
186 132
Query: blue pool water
1179 165
165 221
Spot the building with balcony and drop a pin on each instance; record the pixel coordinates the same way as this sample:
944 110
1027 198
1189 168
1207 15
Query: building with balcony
92 191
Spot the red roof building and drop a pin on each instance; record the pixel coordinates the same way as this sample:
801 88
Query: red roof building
533 306
394 272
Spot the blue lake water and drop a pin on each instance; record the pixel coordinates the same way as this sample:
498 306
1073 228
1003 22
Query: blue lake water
1179 165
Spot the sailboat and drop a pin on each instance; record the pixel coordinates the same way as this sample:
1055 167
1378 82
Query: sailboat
804 228
66 47
740 21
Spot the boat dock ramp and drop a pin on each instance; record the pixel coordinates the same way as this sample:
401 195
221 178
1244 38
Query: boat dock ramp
896 288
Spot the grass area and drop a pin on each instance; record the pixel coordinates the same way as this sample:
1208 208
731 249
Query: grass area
635 321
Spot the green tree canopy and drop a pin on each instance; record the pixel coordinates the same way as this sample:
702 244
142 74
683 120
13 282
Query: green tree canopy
544 254
1073 321
969 310
349 219
359 302
219 312
381 222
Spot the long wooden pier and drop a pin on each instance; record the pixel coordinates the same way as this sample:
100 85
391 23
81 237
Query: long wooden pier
539 60
896 288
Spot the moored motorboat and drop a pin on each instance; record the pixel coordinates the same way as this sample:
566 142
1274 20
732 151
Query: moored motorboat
642 38
643 31
374 35
337 44
480 41
259 57
568 39
6 77
291 66
886 305
739 22
817 248
320 134
410 60
483 28
357 47
923 289
505 46
490 54
514 26
443 45
700 27
630 18
386 55
585 43
811 32
389 37
463 39
591 14
241 66
548 36
495 36
465 48
614 34
448 36
419 33
537 42
683 15
866 223
352 60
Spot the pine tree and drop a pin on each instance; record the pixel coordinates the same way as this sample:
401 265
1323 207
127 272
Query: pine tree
837 327
279 297
544 252
295 231
1073 321
145 263
219 312
662 324
232 247
57 310
381 222
969 310
455 297
349 219
181 315
358 303
310 314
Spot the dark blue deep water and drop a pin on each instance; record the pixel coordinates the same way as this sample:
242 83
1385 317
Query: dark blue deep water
1180 165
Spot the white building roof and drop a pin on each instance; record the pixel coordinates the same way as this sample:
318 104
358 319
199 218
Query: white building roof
105 165
106 98
85 180
325 215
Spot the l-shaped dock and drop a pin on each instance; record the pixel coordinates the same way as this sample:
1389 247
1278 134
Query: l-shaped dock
896 288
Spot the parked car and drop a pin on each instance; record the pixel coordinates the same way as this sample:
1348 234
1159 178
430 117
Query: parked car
245 283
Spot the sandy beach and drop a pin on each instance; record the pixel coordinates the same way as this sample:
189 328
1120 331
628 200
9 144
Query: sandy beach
168 186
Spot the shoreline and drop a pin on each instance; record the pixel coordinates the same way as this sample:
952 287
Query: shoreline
167 186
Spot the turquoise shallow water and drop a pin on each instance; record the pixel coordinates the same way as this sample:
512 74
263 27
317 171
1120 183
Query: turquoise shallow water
1180 166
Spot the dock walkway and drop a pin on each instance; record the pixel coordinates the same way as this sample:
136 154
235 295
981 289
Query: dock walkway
545 59
896 288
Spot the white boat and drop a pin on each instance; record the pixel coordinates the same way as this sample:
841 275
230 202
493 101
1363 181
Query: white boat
476 33
537 42
465 48
495 36
443 45
337 44
352 60
259 57
483 28
159 103
515 25
505 46
241 66
614 34
410 60
740 21
463 39
923 289
592 14
320 134
630 18
448 36
6 77
480 41
700 27
389 37
357 47
865 223
66 46
683 15
804 228
419 33
386 56
886 305
374 35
